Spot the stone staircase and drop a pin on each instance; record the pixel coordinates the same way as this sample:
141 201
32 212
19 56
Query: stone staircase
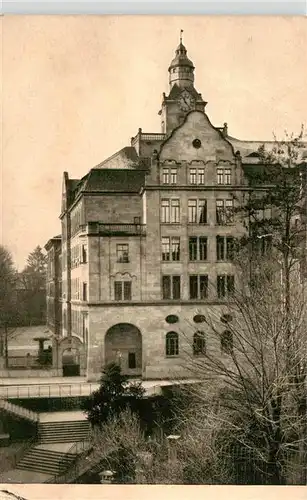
18 411
43 459
63 432
46 461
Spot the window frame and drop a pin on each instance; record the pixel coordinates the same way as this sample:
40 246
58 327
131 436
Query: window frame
118 249
199 335
197 211
125 289
195 284
171 344
170 246
227 342
171 283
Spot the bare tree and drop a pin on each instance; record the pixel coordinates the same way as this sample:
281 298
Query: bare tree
8 302
248 365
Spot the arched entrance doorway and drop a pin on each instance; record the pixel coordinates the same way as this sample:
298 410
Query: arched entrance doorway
71 362
123 345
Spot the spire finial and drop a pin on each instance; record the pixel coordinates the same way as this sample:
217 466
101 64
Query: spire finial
181 33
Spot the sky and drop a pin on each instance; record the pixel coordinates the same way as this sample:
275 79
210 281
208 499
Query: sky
75 89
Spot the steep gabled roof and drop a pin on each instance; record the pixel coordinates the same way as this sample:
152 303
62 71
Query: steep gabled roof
126 157
114 180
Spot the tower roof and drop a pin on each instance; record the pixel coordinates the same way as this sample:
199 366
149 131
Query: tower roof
181 58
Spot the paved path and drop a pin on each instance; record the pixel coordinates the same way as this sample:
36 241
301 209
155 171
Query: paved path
23 476
62 416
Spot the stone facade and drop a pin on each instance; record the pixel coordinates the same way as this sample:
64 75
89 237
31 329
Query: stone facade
145 238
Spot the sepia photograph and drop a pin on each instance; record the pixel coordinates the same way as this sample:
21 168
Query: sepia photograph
153 286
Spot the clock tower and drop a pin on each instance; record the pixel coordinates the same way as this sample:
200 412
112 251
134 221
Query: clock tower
182 96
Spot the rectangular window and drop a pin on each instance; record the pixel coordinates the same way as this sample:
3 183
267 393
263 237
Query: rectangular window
165 175
221 289
220 176
198 287
194 287
202 248
165 249
223 176
220 212
165 211
84 254
220 248
203 286
122 290
131 360
202 211
227 176
198 248
122 252
193 176
229 209
171 287
192 211
170 248
127 290
230 285
118 290
230 248
224 248
197 211
197 175
84 293
193 248
175 241
201 176
176 287
169 175
173 175
175 211
225 286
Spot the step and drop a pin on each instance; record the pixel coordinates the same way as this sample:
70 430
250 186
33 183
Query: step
63 440
64 423
61 431
54 471
49 461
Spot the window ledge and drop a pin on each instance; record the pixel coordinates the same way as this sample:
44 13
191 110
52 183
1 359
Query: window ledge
171 261
172 356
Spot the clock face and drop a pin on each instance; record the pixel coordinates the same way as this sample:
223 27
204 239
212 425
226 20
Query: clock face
186 101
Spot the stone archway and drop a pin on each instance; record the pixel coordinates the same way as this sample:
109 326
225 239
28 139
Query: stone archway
70 359
123 345
71 362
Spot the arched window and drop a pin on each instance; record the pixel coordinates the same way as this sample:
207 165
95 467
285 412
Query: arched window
199 344
171 344
227 342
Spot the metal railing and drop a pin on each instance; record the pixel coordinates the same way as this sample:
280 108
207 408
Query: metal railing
19 411
121 229
29 362
71 470
47 390
153 137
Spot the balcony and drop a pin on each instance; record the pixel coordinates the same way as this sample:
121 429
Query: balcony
101 229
